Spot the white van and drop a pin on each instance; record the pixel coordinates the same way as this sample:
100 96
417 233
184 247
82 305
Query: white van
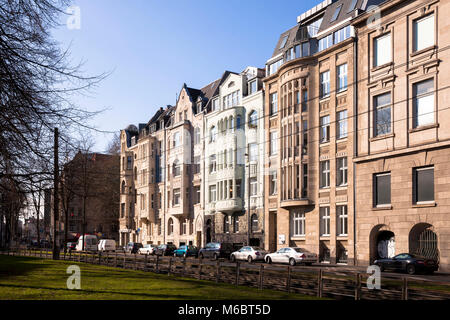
107 245
90 245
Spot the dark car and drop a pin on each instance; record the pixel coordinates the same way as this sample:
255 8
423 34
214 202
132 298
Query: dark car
410 263
165 249
45 244
216 250
186 251
133 247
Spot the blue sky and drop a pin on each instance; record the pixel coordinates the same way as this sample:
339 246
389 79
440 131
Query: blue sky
153 47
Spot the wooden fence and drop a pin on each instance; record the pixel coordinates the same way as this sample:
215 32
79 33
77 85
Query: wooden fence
313 281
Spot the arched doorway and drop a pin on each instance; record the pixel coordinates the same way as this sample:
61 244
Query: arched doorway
382 243
208 231
423 241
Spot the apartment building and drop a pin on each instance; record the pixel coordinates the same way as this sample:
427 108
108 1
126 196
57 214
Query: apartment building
402 158
309 195
161 188
234 154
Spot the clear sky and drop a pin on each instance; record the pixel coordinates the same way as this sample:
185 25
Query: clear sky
153 47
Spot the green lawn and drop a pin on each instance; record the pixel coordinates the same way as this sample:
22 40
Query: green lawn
39 279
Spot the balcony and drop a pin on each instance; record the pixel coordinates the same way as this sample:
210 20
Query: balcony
229 205
285 204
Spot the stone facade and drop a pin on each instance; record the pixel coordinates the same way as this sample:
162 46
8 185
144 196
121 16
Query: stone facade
408 139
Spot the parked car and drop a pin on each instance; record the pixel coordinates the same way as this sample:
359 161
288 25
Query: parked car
147 249
248 253
107 245
45 244
90 245
292 256
71 246
133 247
410 263
33 244
216 250
186 251
165 249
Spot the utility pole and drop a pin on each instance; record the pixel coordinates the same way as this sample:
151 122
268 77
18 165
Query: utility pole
248 196
56 199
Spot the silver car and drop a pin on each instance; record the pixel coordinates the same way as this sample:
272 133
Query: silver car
147 249
291 256
248 253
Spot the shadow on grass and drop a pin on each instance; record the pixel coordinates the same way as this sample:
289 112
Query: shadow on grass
19 266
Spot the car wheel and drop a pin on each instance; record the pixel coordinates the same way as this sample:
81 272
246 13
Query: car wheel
292 261
269 260
250 259
233 258
411 269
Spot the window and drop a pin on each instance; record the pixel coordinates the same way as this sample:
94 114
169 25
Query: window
341 125
326 42
252 87
325 84
212 163
382 47
423 33
382 189
253 152
231 100
197 138
176 196
324 221
342 34
213 134
184 227
196 165
273 143
199 108
336 13
305 181
299 224
255 223
382 117
342 77
169 226
226 224
176 168
273 183
283 42
212 193
238 123
305 49
253 119
273 68
305 136
325 174
122 210
352 6
423 103
196 195
423 184
215 105
324 129
305 101
273 103
235 223
129 162
253 187
342 171
342 220
176 139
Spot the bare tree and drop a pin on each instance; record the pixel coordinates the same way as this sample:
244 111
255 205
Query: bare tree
114 145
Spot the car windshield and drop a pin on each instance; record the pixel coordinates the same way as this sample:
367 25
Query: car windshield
301 250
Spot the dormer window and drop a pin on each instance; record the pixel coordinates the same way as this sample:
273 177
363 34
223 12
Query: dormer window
252 87
199 107
283 42
336 13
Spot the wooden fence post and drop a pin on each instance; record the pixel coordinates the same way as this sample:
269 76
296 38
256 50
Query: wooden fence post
135 261
170 266
184 267
115 259
40 253
237 272
319 284
157 264
358 286
124 259
70 255
99 257
288 280
145 262
200 269
217 271
261 276
405 289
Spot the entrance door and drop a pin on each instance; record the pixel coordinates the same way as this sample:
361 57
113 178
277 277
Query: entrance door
199 239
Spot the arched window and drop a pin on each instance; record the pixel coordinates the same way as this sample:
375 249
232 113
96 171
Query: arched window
213 134
231 123
123 187
238 122
226 224
176 168
253 119
170 226
254 220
